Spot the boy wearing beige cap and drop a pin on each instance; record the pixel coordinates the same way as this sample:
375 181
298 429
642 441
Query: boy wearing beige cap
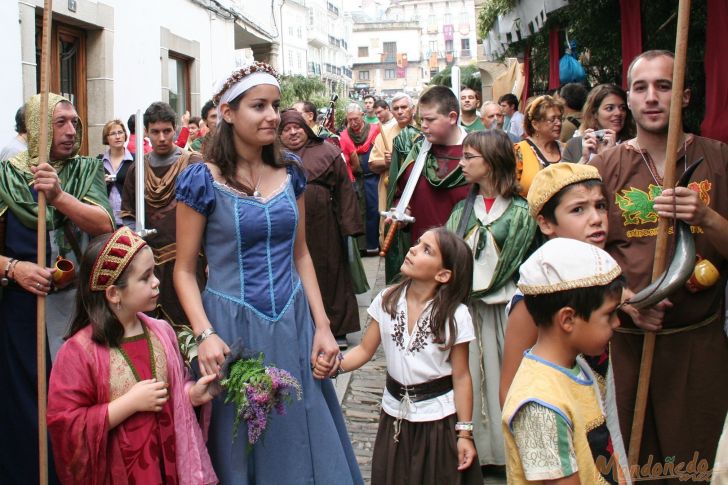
567 200
553 420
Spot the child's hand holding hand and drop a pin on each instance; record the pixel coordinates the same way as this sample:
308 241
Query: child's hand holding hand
322 368
149 395
466 453
199 392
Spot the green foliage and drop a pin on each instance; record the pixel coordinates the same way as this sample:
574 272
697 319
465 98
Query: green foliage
595 26
298 88
242 373
469 76
490 11
187 344
310 88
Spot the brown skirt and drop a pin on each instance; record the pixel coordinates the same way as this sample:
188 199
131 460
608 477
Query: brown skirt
426 454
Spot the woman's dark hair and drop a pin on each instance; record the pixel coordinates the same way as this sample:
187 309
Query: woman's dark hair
221 151
548 211
91 306
497 151
195 120
458 259
594 102
20 127
583 300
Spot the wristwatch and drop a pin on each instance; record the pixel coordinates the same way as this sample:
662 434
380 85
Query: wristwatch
204 334
5 281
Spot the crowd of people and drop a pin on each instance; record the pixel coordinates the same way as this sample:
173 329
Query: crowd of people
514 240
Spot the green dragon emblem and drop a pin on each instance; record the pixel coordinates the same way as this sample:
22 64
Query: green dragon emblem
637 205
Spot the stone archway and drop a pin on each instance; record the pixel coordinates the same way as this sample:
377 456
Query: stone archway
489 71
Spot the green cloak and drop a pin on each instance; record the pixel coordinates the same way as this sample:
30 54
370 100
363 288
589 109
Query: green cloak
513 233
81 177
411 138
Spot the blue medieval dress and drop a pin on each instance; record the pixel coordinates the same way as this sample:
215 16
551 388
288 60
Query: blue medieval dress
254 293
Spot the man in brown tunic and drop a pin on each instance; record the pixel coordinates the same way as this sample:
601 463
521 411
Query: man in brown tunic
688 395
162 166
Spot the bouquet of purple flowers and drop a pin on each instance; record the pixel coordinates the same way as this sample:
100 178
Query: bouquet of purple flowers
256 389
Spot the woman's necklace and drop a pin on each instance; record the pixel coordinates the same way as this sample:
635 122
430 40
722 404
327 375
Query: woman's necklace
152 362
255 184
545 162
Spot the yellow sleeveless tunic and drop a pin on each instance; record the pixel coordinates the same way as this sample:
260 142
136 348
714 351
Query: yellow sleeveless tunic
576 400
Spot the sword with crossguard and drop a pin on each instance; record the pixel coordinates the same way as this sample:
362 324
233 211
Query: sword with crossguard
398 214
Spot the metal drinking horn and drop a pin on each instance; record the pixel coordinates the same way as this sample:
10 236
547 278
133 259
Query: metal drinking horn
681 266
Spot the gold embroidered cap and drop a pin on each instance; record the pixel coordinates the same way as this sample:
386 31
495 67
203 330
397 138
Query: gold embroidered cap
547 182
565 264
115 256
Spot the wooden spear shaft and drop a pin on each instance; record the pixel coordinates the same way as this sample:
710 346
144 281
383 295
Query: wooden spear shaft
674 136
45 63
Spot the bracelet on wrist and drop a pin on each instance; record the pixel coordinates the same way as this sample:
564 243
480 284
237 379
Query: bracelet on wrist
466 437
5 280
464 426
11 273
204 334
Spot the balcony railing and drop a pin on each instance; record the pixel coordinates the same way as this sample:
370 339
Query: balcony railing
332 8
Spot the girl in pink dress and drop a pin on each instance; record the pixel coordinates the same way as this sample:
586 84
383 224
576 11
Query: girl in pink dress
120 400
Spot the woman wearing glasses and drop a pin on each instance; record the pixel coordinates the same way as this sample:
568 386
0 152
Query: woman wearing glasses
117 160
495 222
542 125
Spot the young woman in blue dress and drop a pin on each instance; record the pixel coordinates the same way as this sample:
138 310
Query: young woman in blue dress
243 207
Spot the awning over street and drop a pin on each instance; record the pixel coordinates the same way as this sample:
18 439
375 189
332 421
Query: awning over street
524 20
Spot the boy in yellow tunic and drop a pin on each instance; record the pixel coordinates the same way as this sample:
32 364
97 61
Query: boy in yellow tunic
553 421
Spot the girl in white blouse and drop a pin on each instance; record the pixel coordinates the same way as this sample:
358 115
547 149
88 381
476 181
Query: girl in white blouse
423 324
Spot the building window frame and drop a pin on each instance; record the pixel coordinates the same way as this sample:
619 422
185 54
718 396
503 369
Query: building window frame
389 51
62 33
176 48
181 100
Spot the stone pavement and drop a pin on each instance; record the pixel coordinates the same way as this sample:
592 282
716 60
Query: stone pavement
360 392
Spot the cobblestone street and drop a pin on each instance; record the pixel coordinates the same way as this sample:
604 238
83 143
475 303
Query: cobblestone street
360 392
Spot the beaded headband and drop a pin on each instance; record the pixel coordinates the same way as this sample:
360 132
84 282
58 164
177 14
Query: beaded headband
239 74
114 258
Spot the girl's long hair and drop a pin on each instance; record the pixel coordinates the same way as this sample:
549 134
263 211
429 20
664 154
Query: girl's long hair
458 259
497 151
221 151
92 308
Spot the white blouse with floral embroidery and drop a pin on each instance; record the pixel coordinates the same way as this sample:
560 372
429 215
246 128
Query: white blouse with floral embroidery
415 358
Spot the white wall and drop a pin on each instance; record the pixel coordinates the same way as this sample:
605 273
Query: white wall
137 67
11 85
